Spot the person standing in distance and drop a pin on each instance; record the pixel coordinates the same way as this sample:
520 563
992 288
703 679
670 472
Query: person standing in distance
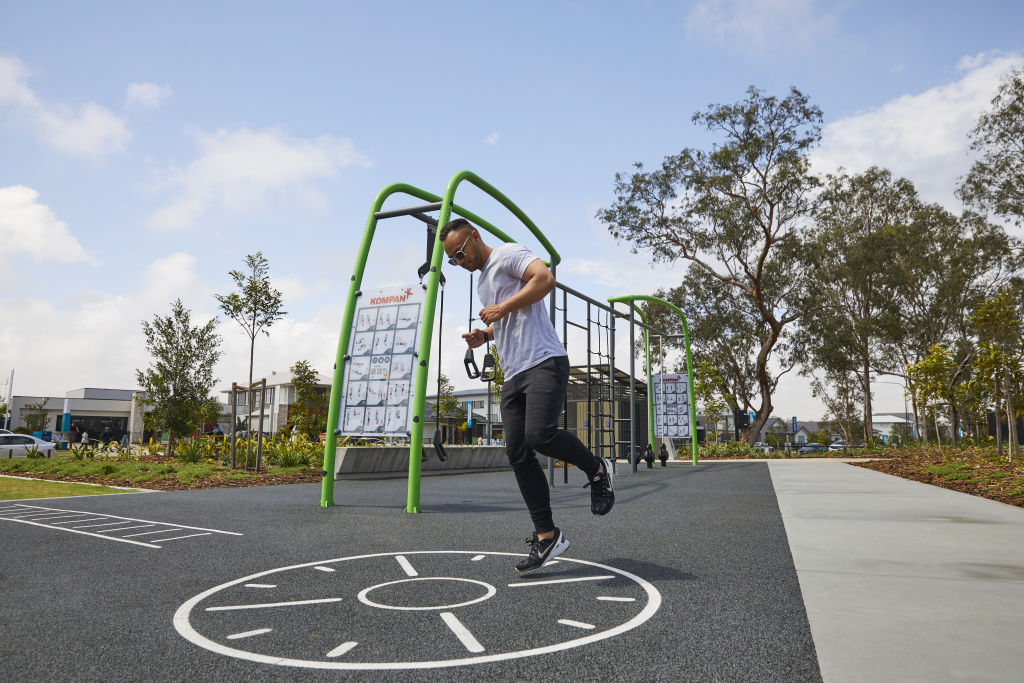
512 286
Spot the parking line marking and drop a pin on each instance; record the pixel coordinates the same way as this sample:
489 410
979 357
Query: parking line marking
609 598
90 526
149 533
125 528
461 632
86 533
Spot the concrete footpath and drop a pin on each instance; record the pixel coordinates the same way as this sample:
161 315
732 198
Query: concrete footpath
904 581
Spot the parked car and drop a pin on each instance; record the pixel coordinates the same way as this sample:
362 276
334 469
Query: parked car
841 445
5 431
20 444
811 448
763 446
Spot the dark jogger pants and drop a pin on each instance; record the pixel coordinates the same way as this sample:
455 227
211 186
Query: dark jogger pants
531 403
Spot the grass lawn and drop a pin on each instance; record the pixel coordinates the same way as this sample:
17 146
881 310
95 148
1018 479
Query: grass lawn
16 489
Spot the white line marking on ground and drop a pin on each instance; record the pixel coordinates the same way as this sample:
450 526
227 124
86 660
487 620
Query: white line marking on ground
76 521
150 533
609 598
87 533
577 624
271 604
461 632
247 634
132 519
60 516
550 581
175 538
126 528
342 649
407 566
477 558
324 569
261 585
90 526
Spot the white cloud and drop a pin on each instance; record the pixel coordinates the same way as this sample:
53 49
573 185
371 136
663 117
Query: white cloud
28 227
759 26
921 137
88 131
238 171
492 139
148 95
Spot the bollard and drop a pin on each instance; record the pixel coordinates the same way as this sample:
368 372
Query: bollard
663 455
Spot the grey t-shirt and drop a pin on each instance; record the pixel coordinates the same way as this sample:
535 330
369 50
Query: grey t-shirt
524 337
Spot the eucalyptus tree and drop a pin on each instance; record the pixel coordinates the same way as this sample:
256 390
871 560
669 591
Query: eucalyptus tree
849 301
940 267
996 180
734 212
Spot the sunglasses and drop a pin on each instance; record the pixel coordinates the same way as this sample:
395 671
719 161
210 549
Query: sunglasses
459 255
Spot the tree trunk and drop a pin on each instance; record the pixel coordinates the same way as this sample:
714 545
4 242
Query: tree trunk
869 432
998 421
170 443
938 434
954 418
1011 419
917 421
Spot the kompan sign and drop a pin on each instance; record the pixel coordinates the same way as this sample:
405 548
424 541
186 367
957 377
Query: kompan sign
377 390
671 406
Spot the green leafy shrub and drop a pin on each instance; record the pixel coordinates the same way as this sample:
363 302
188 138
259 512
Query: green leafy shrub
190 451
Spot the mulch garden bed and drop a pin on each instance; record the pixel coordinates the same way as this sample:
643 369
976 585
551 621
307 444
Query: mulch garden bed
975 471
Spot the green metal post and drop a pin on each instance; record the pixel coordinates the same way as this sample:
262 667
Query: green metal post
689 361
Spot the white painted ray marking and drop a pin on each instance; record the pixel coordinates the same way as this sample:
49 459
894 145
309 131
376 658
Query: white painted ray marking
150 533
226 608
90 526
324 569
61 515
477 558
175 538
126 528
246 634
577 624
342 649
461 632
407 566
610 598
550 581
261 585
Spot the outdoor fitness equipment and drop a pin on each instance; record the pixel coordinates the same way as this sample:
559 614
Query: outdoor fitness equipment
432 270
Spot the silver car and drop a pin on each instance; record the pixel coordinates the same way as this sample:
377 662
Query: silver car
20 444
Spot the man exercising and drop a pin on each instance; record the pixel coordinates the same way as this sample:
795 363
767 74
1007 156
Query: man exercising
512 286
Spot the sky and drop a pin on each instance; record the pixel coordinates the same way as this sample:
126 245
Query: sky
147 148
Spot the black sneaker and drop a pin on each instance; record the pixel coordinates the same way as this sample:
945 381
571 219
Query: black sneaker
543 551
602 495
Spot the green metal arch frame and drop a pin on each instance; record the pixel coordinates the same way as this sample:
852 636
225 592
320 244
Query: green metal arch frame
448 207
629 299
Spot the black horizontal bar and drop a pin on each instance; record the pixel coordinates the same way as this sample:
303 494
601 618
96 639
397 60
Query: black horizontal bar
408 211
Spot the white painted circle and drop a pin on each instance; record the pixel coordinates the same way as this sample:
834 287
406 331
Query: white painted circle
183 618
489 590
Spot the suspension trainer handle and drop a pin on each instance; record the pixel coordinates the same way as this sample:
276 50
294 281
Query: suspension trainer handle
490 370
470 362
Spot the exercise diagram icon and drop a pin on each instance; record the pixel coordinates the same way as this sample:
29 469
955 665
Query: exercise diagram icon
415 610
